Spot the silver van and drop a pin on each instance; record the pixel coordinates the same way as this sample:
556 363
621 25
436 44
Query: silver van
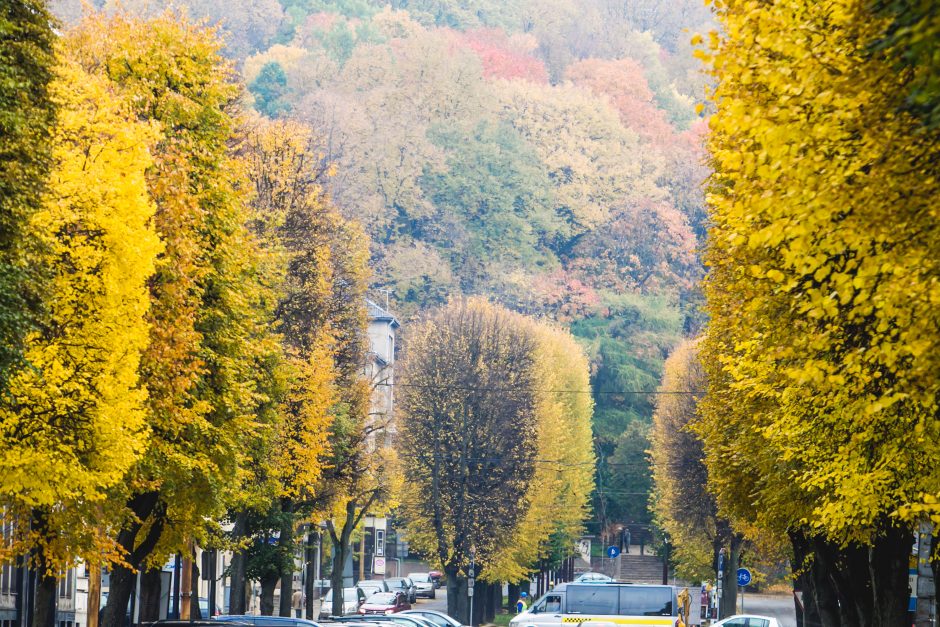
603 605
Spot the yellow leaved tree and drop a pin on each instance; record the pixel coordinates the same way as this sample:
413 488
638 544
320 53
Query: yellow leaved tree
74 420
821 356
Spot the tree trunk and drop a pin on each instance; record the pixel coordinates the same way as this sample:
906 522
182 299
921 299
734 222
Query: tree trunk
512 597
729 582
342 550
808 614
824 594
479 602
458 604
237 595
888 567
309 582
121 582
286 546
44 603
268 584
146 506
150 582
44 599
496 599
854 577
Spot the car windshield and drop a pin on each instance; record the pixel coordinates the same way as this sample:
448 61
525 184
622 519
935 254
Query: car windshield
396 583
422 577
382 598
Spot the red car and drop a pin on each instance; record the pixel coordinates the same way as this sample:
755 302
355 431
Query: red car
385 603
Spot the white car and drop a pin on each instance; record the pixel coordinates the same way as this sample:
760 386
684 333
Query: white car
747 620
424 585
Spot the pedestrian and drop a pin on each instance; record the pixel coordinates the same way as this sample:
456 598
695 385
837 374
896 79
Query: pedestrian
297 602
521 605
626 540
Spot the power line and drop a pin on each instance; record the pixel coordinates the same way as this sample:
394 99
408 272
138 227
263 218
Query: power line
548 391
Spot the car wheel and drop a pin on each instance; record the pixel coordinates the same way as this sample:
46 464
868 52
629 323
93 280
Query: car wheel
433 594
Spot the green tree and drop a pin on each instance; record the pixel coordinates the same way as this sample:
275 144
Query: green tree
269 89
27 116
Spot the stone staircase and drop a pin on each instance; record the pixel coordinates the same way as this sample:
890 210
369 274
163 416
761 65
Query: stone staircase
636 568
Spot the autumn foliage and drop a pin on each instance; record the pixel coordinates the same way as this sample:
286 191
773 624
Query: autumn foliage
496 442
821 351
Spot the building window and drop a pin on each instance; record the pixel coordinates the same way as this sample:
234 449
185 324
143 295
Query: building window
66 584
7 569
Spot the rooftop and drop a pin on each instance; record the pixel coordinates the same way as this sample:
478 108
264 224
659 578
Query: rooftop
378 313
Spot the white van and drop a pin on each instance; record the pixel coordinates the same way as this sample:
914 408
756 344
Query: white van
603 605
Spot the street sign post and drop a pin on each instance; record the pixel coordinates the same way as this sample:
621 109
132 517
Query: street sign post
744 578
613 551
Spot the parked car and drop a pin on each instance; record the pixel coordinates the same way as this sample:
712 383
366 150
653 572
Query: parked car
385 603
424 587
352 599
403 584
204 608
438 619
437 577
266 621
747 620
370 587
399 619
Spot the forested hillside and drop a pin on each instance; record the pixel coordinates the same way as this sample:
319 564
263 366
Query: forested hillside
543 153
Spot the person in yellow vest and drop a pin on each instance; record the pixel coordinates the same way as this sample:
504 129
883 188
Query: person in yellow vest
521 604
685 604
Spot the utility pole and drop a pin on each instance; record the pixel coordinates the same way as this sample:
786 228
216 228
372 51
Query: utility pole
362 554
470 580
94 592
186 587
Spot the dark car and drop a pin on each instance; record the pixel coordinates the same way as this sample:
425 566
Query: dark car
265 621
403 584
437 577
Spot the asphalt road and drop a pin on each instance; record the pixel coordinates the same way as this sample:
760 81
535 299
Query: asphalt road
439 603
777 606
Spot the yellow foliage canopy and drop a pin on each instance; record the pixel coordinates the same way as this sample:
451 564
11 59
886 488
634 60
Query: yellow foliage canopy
75 420
822 354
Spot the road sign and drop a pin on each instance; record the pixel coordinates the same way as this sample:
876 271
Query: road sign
744 577
613 551
470 582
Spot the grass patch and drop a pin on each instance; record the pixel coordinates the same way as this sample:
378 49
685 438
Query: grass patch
502 619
